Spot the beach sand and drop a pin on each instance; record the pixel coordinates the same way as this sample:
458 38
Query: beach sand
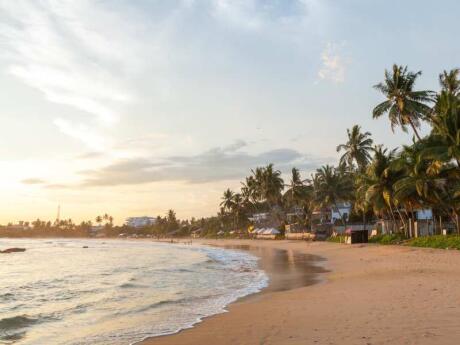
326 293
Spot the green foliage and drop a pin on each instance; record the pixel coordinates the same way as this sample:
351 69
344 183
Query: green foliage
438 241
337 239
387 239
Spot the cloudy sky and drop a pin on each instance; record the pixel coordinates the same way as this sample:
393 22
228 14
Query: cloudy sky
135 107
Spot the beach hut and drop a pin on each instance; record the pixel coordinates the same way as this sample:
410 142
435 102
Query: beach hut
269 233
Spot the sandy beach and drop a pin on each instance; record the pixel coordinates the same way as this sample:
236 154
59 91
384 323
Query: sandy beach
325 293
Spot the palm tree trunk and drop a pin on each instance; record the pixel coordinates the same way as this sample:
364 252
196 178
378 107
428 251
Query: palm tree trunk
402 219
414 129
392 215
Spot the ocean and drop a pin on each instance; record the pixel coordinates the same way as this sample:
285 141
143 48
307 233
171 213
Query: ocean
115 291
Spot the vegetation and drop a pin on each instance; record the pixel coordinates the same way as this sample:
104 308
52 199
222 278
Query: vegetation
439 241
388 239
379 182
337 239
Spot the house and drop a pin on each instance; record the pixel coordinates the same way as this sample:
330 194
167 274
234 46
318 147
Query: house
96 231
140 222
259 217
343 209
329 215
196 233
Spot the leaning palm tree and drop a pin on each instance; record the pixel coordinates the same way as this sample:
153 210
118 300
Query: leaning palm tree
403 105
357 148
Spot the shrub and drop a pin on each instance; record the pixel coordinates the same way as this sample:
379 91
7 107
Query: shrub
336 239
438 241
387 239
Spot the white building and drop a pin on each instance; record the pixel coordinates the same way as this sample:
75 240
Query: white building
259 217
343 208
140 222
424 214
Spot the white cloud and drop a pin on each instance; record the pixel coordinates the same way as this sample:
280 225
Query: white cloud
334 63
83 133
56 48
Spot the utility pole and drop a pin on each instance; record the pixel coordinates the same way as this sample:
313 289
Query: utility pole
58 214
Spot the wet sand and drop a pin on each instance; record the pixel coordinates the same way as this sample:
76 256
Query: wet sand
325 293
286 269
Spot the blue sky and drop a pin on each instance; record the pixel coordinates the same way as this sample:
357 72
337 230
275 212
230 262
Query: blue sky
135 107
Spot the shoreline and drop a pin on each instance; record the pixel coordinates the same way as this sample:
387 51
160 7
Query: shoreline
371 294
286 270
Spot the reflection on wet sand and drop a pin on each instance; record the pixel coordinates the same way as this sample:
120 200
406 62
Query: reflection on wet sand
287 269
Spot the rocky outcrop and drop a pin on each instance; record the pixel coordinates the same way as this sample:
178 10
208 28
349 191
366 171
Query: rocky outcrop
12 250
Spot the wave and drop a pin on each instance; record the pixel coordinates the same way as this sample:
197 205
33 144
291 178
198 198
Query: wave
133 286
7 297
16 322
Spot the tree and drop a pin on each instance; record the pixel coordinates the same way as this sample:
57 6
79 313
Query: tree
272 185
227 200
236 208
98 220
404 106
357 148
297 191
378 182
331 187
450 81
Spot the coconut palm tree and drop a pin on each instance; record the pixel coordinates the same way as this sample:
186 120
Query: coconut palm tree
378 182
98 220
295 193
250 191
357 148
403 105
331 187
445 135
227 200
237 207
272 185
450 81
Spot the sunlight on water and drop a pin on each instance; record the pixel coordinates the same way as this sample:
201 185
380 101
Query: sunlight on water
115 292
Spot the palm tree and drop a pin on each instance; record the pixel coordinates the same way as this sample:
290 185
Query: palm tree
98 220
297 192
403 105
450 81
331 187
236 208
227 200
378 182
445 135
357 148
250 192
272 185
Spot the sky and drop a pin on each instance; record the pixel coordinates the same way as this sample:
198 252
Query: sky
135 107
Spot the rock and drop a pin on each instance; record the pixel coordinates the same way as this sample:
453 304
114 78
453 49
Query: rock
85 246
12 250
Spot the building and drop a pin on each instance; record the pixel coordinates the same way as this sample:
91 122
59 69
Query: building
140 222
259 217
343 209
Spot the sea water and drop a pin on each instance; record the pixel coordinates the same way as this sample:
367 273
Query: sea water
115 291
